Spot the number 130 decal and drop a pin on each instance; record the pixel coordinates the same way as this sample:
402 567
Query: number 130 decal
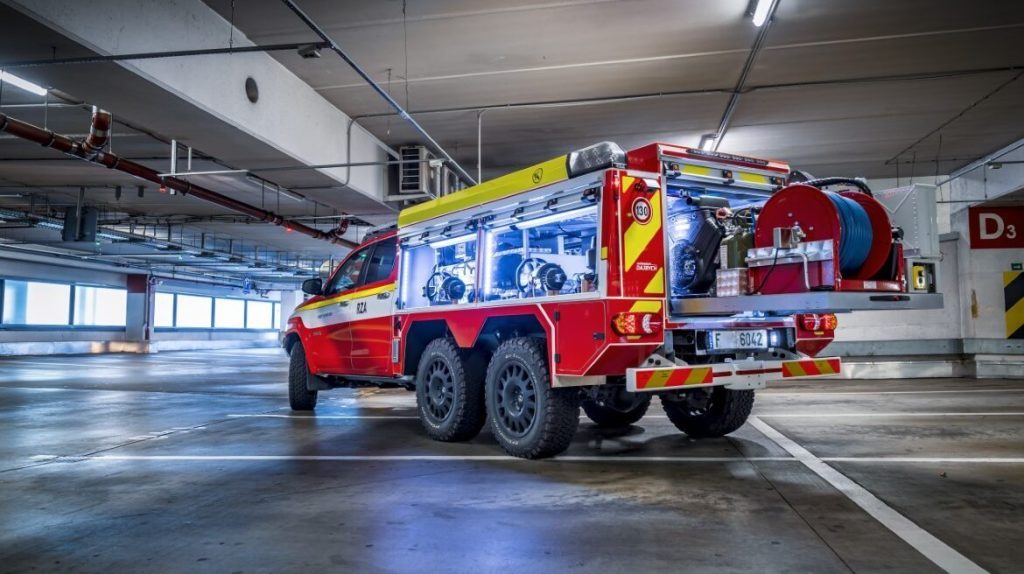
642 210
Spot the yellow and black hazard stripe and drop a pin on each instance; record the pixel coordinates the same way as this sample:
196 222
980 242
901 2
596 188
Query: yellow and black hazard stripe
1013 297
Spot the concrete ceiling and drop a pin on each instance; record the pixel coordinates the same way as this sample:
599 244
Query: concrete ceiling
870 88
809 99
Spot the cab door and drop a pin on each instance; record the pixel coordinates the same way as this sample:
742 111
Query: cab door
372 327
332 317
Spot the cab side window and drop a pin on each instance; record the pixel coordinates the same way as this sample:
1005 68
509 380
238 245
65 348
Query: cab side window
347 276
382 262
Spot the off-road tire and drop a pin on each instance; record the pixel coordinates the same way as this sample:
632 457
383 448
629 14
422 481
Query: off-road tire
608 416
727 411
300 397
521 363
458 413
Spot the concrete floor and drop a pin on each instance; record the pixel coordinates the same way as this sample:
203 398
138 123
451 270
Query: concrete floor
192 462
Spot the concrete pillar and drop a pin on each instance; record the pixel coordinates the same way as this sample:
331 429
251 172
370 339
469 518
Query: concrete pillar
139 318
289 300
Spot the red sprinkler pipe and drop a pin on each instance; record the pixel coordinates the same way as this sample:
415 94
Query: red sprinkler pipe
91 150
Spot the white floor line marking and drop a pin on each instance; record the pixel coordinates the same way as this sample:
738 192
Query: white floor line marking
316 417
407 458
442 458
20 362
940 460
929 546
883 415
843 393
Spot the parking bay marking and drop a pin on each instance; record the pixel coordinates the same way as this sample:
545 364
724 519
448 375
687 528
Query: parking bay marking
921 540
768 415
414 458
886 415
506 458
317 417
844 393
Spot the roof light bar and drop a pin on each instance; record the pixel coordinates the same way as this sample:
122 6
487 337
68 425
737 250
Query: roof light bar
592 158
9 78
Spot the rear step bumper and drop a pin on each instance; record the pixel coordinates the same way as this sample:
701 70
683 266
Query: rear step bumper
745 374
809 302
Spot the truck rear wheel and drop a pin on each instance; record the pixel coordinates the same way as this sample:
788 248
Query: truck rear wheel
300 397
529 419
450 392
617 409
709 412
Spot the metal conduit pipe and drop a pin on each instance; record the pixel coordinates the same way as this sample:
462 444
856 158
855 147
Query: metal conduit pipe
89 152
431 142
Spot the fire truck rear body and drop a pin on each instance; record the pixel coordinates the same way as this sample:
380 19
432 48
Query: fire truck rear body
610 260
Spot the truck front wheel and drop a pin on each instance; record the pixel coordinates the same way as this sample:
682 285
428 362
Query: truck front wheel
529 419
300 397
450 392
708 412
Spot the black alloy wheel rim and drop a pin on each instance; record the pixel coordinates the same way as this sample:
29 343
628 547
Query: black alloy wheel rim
517 399
440 390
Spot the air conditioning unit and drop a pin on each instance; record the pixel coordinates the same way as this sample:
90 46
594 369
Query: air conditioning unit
414 177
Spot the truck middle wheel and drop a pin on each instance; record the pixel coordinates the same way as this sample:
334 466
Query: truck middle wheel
529 419
709 412
450 392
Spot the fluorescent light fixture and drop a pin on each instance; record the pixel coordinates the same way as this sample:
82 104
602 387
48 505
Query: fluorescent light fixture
761 11
488 262
453 241
560 216
8 78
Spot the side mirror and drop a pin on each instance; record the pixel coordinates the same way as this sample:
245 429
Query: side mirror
313 286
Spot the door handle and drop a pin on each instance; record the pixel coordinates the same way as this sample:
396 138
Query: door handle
384 295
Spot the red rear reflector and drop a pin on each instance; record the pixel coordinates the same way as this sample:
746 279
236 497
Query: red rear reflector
816 322
635 324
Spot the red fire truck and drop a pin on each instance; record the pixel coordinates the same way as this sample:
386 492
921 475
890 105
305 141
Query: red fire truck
599 279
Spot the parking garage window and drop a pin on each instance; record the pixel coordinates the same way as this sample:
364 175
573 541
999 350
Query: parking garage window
229 314
47 304
100 306
36 303
184 311
259 315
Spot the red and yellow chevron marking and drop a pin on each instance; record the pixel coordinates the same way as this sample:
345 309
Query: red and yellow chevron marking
668 378
639 235
810 368
657 284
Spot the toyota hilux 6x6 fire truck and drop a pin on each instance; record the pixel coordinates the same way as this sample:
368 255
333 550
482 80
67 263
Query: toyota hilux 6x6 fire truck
600 279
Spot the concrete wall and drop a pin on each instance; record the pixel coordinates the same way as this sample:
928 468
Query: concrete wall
873 331
18 340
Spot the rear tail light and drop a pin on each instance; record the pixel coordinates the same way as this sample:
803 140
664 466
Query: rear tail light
818 322
636 323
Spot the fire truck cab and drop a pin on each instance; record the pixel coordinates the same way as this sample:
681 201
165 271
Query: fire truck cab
599 279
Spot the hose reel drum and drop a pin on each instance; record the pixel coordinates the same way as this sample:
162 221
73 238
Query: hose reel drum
848 242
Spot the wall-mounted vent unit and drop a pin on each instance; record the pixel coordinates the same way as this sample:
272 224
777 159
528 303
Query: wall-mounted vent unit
414 177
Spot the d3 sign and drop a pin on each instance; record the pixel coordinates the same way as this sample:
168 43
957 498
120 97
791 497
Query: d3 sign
996 227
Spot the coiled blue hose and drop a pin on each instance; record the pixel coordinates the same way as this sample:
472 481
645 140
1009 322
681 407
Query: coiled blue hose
857 233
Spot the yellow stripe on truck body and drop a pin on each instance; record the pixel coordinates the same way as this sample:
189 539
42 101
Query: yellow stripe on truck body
551 171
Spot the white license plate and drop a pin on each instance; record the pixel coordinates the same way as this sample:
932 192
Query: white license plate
756 339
